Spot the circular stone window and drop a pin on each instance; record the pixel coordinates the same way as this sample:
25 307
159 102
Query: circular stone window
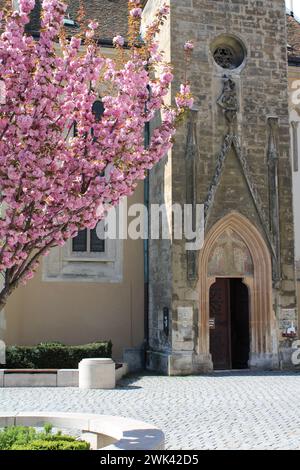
228 52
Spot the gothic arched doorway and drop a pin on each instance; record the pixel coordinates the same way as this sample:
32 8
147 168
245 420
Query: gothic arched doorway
234 249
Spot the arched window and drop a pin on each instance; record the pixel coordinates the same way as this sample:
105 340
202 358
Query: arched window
87 240
98 110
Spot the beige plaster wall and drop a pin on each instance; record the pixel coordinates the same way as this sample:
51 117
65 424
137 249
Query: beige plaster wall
80 312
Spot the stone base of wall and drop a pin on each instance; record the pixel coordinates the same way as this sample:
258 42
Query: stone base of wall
289 357
134 358
267 361
157 361
178 363
187 363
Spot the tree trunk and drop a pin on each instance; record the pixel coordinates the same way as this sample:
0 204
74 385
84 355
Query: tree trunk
5 293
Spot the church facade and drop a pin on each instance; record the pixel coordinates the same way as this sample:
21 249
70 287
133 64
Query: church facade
233 303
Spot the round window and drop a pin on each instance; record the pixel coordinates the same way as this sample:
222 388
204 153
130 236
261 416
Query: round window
228 52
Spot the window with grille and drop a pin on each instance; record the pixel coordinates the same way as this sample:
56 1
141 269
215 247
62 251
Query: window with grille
228 52
225 57
86 257
87 241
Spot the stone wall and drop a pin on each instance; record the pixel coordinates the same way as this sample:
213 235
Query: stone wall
160 259
255 160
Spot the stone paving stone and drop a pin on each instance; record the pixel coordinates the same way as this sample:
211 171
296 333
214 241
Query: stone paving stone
228 411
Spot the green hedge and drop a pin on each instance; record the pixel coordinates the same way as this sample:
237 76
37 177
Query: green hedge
53 355
52 445
29 438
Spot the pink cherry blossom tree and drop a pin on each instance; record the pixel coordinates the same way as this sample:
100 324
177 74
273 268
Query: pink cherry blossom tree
52 182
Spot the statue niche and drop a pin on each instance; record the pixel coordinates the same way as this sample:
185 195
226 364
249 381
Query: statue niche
230 256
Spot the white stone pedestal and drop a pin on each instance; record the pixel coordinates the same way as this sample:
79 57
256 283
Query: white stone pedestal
97 373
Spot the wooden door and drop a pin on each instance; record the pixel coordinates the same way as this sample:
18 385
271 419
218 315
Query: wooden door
219 324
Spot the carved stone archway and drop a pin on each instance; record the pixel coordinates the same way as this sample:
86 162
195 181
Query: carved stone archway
263 347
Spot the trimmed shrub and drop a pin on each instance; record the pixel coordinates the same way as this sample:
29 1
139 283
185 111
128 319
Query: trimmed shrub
28 438
54 355
16 435
52 445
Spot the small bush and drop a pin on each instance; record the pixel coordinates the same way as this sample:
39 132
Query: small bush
48 428
56 437
28 438
19 435
52 445
54 355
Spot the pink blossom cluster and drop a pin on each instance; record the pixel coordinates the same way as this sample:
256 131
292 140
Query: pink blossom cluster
184 99
164 10
136 12
135 9
27 6
53 180
189 46
118 41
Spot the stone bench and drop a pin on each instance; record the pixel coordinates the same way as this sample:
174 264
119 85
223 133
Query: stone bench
103 432
48 377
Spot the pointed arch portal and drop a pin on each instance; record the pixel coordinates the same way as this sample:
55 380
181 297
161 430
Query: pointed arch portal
234 249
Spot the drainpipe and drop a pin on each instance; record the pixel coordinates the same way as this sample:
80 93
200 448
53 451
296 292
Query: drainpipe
146 253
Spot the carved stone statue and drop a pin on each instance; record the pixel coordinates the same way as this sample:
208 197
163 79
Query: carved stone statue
228 99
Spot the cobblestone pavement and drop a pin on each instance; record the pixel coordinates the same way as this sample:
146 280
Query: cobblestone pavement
221 411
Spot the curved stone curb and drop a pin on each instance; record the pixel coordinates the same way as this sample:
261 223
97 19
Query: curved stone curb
115 432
